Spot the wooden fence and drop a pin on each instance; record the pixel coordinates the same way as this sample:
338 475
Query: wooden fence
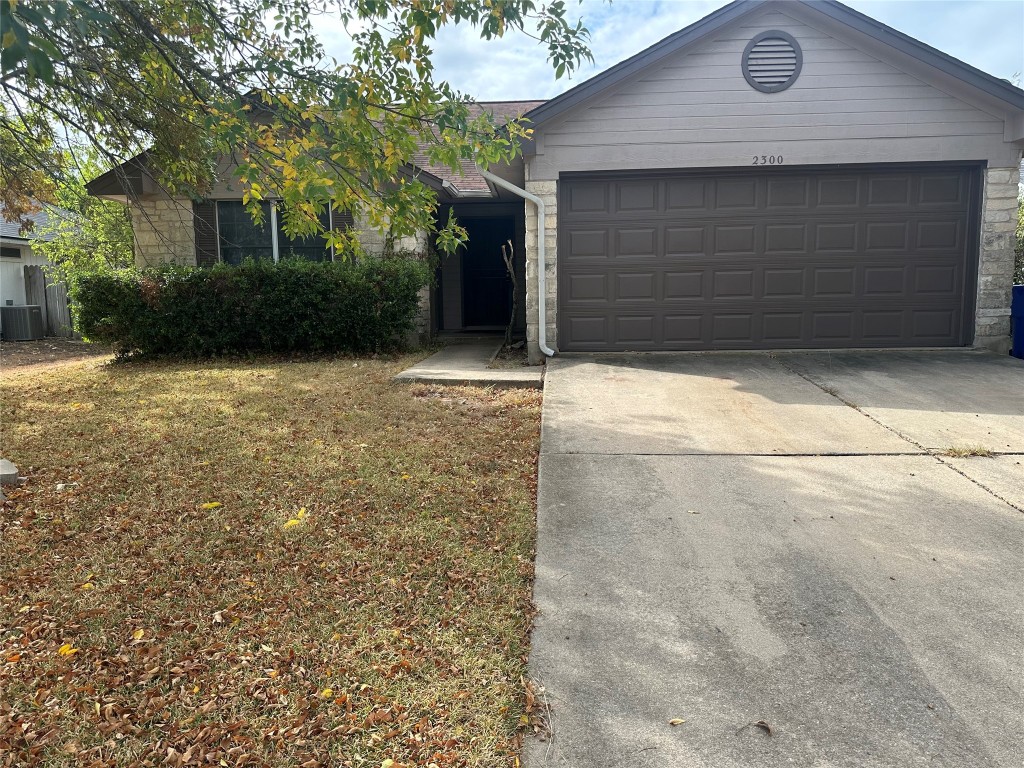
52 297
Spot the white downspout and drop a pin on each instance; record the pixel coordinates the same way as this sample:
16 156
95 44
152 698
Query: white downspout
542 329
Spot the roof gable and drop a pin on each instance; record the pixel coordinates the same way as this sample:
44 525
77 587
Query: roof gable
697 33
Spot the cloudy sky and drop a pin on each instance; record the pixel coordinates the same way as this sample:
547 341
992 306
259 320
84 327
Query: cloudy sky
984 33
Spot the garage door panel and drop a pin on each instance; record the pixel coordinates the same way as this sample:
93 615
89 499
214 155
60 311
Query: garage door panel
782 329
929 324
687 330
684 241
885 281
635 286
737 194
785 238
636 241
885 326
787 193
891 189
711 284
838 192
637 196
943 189
586 244
941 236
885 236
686 195
780 283
745 330
802 260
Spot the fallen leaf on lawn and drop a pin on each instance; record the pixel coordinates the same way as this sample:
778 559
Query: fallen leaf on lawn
326 693
299 517
138 633
67 650
676 721
14 658
87 585
212 505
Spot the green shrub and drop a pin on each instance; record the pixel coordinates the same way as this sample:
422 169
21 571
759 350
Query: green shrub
364 306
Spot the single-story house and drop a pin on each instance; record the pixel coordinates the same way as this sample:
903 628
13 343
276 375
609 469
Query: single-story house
16 253
776 175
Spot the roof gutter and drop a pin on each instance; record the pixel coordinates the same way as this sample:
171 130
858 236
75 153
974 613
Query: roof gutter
542 326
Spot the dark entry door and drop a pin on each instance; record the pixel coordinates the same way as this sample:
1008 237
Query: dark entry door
486 288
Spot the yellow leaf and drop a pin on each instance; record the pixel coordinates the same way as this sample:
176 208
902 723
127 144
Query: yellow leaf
138 633
292 523
326 693
212 505
87 585
67 650
195 689
676 721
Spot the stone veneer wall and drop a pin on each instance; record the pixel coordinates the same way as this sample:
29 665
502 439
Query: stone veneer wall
995 268
548 192
164 232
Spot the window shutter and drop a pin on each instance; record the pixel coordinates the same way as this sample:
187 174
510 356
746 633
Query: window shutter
204 215
342 219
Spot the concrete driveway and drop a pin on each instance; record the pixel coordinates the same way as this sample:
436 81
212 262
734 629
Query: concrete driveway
740 537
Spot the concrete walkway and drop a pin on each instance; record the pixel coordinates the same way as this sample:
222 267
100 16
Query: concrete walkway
466 364
734 538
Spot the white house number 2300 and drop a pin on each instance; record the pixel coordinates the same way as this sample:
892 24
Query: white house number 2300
767 159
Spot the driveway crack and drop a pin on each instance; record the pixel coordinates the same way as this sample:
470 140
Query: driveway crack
906 438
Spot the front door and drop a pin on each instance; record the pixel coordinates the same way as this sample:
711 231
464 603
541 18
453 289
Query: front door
486 287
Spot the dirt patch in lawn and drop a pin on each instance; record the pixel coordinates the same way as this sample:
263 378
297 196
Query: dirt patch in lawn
49 351
510 357
264 563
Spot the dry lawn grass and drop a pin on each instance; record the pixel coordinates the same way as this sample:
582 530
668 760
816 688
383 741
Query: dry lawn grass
164 611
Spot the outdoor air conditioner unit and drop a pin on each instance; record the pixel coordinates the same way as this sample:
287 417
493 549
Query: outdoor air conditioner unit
22 323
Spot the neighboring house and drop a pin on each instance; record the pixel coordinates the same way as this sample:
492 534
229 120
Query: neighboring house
16 253
776 175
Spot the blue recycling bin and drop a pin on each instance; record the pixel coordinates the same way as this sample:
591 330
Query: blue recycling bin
1017 321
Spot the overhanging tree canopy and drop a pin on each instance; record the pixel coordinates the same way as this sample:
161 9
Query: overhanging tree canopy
194 80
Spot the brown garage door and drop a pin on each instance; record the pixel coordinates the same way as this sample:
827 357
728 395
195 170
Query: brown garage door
773 259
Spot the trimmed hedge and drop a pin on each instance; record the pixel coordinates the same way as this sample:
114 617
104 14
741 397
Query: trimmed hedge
364 306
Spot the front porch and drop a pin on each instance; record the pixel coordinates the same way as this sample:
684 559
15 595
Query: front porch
473 292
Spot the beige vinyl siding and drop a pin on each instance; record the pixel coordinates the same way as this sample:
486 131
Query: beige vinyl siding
697 110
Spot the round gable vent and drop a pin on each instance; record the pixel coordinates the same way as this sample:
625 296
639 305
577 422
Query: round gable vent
772 61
